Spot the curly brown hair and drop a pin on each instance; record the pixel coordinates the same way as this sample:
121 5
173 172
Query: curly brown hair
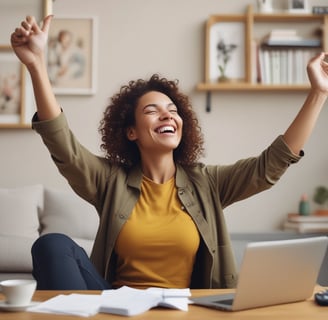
120 115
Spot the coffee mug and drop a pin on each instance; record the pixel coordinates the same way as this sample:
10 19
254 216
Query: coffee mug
18 292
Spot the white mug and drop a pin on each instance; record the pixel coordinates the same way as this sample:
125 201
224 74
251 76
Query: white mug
18 292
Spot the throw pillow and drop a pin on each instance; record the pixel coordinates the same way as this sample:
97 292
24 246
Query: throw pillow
19 211
67 213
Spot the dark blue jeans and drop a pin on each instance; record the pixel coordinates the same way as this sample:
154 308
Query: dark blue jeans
60 264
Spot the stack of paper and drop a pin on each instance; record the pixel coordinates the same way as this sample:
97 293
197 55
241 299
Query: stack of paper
125 301
287 37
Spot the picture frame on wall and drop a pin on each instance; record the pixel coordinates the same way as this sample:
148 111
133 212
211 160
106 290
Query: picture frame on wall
12 90
298 6
71 55
226 50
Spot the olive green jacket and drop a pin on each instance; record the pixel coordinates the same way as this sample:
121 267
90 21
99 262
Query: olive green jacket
203 190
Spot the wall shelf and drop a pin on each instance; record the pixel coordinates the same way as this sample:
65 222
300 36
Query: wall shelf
244 86
255 26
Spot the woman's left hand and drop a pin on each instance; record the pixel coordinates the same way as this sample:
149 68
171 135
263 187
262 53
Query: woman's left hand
317 70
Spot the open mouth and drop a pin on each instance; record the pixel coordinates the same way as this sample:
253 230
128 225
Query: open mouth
166 129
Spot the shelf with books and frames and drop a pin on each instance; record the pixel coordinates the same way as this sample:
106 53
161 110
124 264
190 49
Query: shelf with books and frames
261 51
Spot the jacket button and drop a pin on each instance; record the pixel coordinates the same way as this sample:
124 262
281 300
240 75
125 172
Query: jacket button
122 216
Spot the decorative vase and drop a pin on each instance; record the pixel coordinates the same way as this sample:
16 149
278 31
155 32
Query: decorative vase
223 78
265 6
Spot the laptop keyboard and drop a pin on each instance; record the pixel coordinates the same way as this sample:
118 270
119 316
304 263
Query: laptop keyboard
227 301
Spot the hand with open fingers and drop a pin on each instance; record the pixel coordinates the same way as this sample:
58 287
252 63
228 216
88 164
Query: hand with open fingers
29 40
317 70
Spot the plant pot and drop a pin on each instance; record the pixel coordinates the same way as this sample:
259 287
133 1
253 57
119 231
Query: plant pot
224 79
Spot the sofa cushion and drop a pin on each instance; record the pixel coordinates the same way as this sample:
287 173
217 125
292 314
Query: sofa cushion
67 213
19 211
19 226
15 254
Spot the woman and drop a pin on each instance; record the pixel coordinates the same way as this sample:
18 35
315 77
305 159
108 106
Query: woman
161 212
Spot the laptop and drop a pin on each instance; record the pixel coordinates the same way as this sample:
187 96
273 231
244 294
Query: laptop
273 272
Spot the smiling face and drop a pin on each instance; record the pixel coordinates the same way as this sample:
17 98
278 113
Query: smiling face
158 126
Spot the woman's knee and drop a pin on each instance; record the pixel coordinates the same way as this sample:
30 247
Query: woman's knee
52 243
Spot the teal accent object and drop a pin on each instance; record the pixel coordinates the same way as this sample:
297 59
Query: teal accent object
304 206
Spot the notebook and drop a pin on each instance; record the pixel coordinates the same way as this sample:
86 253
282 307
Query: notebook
273 272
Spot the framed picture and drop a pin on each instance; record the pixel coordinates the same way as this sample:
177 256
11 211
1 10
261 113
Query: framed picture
225 49
12 90
295 6
71 52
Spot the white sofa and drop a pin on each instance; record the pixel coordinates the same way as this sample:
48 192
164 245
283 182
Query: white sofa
28 212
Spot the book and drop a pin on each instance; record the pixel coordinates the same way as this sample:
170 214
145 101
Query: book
127 301
306 227
295 217
301 42
320 9
288 38
282 33
306 224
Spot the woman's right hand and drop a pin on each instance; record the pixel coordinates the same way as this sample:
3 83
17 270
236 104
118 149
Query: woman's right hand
29 40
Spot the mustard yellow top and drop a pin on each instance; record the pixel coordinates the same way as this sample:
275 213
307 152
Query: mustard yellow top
157 245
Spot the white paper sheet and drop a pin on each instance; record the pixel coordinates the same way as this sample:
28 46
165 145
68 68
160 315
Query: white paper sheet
83 305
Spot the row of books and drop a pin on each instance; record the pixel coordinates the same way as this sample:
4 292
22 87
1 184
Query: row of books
281 57
283 66
306 224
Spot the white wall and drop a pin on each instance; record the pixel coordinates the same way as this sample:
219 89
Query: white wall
139 37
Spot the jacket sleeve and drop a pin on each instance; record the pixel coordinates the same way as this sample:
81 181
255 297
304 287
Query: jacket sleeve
250 176
83 170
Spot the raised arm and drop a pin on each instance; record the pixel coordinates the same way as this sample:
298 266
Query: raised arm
301 128
29 42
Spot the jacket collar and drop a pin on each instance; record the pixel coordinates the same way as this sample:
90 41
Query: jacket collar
135 177
181 177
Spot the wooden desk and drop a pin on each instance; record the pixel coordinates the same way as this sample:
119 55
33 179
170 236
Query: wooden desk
300 310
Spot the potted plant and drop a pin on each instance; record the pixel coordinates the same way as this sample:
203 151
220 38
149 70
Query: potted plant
320 197
224 56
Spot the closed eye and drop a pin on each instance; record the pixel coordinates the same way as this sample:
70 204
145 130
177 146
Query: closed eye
150 109
153 109
150 112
